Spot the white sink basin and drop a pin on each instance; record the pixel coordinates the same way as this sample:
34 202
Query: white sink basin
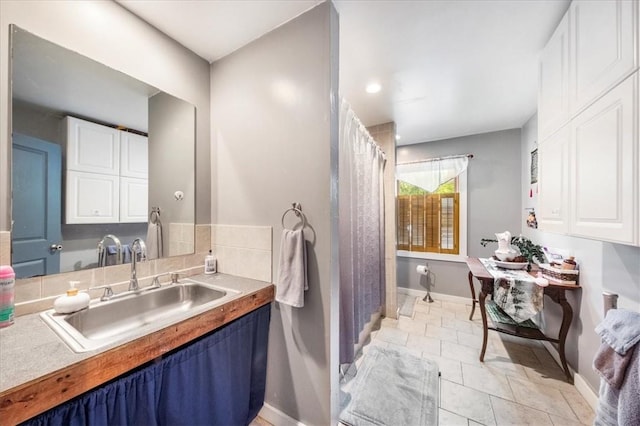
136 314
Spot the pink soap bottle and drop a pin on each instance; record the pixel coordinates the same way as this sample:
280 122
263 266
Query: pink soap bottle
7 286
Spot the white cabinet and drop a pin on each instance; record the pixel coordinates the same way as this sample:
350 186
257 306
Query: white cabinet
603 34
553 182
92 147
604 145
553 99
133 199
106 174
588 180
134 155
91 198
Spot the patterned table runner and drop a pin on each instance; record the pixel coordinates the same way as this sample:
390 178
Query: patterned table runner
515 292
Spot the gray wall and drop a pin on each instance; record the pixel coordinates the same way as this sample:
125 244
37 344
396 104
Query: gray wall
136 49
39 122
603 267
171 158
493 186
274 139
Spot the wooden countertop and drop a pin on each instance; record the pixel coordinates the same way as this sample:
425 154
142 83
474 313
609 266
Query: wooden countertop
55 384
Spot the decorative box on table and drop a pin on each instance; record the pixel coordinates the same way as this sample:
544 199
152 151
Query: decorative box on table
559 275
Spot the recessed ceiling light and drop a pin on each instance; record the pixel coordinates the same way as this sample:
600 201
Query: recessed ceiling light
373 88
397 137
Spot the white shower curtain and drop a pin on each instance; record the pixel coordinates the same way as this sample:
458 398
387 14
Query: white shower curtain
361 227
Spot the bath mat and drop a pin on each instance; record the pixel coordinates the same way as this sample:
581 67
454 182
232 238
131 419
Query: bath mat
406 304
392 387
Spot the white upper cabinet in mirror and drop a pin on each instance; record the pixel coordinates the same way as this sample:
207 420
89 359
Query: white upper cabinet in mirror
153 138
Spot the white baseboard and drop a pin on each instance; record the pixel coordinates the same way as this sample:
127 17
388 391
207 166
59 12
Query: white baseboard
585 390
437 296
277 417
578 381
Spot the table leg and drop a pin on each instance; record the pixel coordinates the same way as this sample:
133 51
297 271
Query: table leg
473 296
558 295
567 315
485 329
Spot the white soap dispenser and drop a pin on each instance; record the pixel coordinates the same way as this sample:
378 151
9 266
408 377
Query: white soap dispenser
210 264
73 301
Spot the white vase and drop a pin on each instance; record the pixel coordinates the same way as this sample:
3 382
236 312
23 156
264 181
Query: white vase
506 251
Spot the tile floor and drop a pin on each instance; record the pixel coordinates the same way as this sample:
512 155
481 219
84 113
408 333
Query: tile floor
518 384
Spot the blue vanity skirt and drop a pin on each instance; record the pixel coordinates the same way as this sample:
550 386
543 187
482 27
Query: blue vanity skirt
217 380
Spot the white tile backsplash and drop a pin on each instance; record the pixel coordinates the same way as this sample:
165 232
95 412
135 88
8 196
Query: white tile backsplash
5 248
249 237
243 262
245 251
38 294
181 238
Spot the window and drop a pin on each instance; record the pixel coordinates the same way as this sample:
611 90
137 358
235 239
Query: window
431 209
429 222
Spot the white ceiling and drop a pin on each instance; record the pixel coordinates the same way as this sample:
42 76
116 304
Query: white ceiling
447 68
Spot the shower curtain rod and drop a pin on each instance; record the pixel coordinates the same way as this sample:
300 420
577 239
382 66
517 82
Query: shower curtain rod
354 118
436 159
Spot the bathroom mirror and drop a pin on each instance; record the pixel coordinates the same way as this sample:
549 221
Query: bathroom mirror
50 83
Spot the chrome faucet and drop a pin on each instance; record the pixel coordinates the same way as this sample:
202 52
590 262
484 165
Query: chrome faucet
136 246
102 255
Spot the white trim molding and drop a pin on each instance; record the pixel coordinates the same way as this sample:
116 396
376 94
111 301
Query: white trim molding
439 296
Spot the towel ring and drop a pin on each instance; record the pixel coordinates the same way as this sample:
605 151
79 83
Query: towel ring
154 217
298 213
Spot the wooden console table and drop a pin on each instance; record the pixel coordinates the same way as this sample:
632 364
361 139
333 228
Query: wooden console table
556 293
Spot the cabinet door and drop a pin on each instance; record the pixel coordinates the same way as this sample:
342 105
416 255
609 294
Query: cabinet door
602 46
92 147
134 159
602 154
553 183
133 199
91 198
553 96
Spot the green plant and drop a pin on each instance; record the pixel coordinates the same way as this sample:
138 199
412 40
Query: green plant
527 248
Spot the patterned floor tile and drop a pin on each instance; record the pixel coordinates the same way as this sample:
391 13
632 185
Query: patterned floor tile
441 333
487 381
541 397
393 335
411 326
466 402
518 383
427 345
510 413
447 418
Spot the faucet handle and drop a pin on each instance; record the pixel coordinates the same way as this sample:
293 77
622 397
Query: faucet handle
156 280
175 276
108 292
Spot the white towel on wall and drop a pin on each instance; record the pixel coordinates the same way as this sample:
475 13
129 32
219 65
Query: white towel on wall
292 268
154 240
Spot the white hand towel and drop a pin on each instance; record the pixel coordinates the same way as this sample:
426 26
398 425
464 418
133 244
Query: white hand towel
154 240
292 274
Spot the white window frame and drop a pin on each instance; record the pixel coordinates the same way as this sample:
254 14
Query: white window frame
462 256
